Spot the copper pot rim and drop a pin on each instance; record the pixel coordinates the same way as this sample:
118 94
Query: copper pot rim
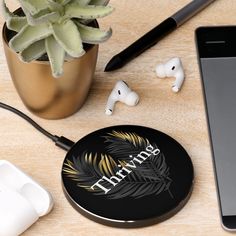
5 41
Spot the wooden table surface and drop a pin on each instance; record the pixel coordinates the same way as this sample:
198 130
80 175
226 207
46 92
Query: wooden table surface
180 115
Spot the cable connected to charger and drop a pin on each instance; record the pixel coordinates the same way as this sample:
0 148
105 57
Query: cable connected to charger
61 141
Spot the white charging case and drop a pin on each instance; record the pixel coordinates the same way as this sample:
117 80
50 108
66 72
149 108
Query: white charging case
22 200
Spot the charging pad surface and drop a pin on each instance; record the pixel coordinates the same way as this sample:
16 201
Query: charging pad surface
127 176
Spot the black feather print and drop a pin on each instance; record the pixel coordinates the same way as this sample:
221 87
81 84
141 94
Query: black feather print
149 178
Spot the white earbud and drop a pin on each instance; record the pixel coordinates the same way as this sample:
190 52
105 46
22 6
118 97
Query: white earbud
122 93
22 200
172 68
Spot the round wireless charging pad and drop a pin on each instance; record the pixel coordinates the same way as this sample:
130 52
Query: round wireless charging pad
127 176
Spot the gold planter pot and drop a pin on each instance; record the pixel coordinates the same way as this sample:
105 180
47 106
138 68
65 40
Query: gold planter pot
44 95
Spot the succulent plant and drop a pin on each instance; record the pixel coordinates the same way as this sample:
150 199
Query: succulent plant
55 27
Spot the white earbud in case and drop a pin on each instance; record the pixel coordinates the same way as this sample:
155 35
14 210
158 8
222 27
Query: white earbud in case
22 200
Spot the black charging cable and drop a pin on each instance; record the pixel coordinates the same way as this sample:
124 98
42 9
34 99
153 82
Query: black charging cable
61 141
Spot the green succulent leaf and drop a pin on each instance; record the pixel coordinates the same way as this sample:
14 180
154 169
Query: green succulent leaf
29 35
68 57
34 51
14 22
86 12
56 27
34 6
81 2
43 17
68 36
56 55
55 6
63 2
5 11
93 35
95 3
99 2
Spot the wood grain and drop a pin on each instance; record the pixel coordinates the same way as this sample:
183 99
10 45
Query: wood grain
180 115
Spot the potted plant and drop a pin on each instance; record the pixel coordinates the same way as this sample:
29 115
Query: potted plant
51 49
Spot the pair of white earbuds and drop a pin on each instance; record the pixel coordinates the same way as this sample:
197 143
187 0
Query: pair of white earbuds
122 92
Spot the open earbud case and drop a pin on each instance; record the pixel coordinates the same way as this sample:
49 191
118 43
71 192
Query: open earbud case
22 200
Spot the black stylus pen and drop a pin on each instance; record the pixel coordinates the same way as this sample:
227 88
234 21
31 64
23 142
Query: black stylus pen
156 34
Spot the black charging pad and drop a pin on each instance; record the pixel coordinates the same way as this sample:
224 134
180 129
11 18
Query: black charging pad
127 176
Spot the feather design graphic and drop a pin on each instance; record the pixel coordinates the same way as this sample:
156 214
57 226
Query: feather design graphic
87 170
152 177
123 144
